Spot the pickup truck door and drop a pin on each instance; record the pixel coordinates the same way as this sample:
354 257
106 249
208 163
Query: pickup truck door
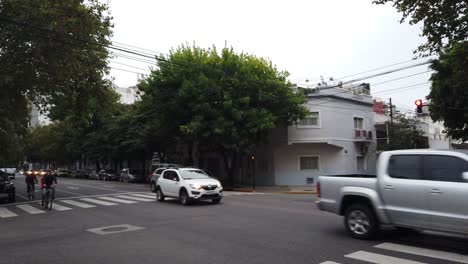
403 191
447 192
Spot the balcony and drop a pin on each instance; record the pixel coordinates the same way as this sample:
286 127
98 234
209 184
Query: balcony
362 135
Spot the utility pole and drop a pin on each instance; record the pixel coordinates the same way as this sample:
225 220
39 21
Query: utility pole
391 119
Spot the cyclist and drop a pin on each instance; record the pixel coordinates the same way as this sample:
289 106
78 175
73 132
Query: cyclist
30 181
48 181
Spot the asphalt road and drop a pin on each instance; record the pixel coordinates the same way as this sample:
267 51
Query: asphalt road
244 228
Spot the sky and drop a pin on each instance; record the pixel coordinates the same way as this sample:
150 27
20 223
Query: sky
309 39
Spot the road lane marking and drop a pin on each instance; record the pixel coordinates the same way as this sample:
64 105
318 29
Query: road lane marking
329 262
73 188
107 189
26 198
30 209
135 198
117 200
144 195
107 230
78 204
5 213
425 252
379 259
74 193
58 207
91 200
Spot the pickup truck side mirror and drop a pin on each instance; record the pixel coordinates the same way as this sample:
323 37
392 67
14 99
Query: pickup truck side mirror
465 176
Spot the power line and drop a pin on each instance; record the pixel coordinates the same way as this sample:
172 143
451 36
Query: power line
125 56
130 66
400 88
380 68
404 77
119 69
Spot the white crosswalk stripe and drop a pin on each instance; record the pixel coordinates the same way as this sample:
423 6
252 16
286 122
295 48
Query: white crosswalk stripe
77 204
5 213
112 199
96 201
379 258
29 209
329 262
135 198
58 207
424 252
144 195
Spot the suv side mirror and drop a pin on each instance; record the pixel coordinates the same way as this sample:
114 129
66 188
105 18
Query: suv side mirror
465 176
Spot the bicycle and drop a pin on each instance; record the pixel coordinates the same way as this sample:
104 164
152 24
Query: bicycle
49 197
30 191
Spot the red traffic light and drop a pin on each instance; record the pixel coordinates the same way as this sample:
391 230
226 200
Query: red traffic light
418 102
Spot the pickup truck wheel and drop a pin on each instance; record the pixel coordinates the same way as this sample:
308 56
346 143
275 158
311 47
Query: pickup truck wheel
184 198
159 195
360 222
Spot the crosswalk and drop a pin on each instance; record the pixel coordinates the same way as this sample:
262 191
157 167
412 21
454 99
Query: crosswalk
67 204
432 256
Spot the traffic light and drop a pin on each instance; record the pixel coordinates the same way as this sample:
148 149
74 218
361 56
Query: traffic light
419 105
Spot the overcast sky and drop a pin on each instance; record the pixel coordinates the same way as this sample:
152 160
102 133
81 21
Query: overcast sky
309 39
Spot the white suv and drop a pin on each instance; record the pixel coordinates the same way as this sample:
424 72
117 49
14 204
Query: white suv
188 184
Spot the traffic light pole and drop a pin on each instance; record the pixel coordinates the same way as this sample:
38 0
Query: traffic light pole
391 120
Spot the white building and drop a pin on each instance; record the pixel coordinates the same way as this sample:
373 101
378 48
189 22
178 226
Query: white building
128 95
337 138
434 131
38 118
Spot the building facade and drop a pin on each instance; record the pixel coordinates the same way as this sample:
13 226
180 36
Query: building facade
338 137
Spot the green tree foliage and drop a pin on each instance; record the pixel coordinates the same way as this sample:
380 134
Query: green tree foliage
224 100
443 22
52 54
449 91
405 134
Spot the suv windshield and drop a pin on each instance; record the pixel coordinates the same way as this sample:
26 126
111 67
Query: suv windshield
193 174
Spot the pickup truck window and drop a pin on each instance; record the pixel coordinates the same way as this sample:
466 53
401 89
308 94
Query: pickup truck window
444 168
405 167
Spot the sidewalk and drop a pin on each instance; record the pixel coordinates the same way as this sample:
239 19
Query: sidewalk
277 189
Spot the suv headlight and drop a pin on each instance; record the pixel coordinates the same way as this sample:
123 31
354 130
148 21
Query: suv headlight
195 186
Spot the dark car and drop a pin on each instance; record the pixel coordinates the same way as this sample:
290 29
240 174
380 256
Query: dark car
74 174
107 175
92 175
7 187
84 173
131 175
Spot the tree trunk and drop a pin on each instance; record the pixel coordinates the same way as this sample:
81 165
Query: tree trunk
230 162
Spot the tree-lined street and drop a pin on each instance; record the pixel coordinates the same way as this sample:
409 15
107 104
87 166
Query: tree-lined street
244 228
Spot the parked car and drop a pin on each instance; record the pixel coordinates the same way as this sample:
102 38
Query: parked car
10 172
107 175
7 187
131 175
62 173
413 189
188 185
83 173
74 174
92 175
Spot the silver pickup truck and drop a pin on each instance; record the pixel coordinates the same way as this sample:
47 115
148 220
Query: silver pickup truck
413 189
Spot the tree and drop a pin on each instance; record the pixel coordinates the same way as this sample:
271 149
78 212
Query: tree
406 134
444 22
449 91
52 54
224 101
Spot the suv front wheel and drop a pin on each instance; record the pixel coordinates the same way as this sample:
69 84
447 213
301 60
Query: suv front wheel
184 197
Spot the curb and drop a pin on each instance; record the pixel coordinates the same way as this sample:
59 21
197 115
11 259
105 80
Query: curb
299 192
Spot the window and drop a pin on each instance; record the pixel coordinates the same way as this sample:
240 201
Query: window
312 120
444 168
361 163
169 175
358 123
308 163
405 167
